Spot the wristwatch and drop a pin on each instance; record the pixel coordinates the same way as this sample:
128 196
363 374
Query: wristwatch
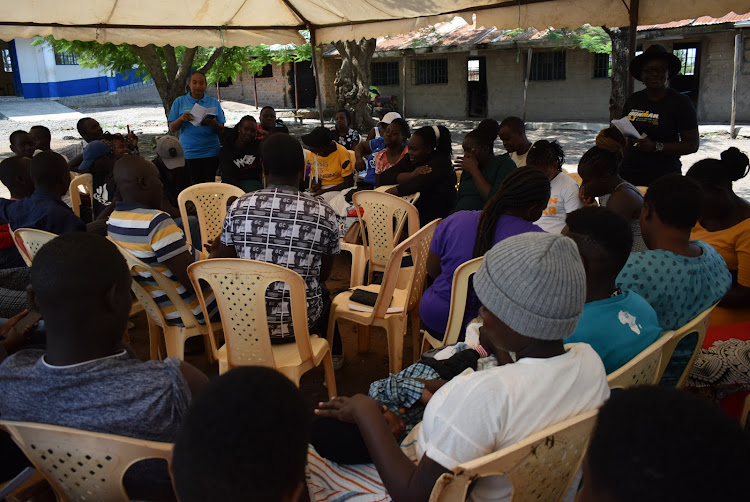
659 146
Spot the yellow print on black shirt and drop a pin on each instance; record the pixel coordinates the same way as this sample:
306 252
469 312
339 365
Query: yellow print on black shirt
650 118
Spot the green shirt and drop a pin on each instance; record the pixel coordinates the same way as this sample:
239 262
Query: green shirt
468 198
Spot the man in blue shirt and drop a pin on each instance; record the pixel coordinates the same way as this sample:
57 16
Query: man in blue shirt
200 143
370 148
617 323
44 209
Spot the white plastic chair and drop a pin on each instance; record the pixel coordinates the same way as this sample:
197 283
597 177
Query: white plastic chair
699 326
643 369
81 184
28 241
210 201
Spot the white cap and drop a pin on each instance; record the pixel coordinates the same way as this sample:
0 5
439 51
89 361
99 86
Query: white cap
390 117
169 149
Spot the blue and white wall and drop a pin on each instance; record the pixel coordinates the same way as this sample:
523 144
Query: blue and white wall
41 77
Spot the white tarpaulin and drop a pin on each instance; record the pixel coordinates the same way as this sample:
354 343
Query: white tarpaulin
252 22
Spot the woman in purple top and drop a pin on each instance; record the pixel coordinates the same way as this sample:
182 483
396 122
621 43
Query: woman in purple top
465 235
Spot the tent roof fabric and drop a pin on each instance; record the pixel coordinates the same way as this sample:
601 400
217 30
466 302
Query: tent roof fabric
252 22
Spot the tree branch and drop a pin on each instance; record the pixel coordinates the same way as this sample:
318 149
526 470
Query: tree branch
170 60
152 62
185 65
216 54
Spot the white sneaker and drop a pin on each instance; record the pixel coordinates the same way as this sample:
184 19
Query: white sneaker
338 361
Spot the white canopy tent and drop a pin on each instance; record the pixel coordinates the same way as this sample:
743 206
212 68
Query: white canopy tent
229 23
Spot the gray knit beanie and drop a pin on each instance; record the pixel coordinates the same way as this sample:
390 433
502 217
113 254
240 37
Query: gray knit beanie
535 283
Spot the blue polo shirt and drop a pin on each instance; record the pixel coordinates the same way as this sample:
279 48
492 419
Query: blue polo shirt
198 142
42 211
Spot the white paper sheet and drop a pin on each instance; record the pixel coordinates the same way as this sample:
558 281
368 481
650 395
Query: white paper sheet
199 113
627 129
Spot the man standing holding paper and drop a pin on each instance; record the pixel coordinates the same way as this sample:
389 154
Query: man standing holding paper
666 117
200 120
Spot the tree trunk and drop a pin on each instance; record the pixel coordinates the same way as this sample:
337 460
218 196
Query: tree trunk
352 81
169 77
618 95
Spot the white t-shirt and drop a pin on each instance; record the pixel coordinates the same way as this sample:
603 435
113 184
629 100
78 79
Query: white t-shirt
520 160
563 199
478 413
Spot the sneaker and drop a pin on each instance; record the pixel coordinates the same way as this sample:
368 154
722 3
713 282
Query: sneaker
338 361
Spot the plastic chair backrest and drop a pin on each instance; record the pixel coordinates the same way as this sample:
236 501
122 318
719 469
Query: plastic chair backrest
352 157
643 369
240 288
380 220
699 325
459 297
85 181
642 189
540 467
419 252
396 277
210 200
136 267
28 241
82 465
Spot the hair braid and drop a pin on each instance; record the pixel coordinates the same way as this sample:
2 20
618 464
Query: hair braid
522 188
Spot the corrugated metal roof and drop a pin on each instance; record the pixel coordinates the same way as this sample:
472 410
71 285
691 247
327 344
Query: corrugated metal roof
701 21
458 32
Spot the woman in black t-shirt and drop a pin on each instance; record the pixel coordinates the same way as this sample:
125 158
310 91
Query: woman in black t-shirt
666 117
426 169
239 160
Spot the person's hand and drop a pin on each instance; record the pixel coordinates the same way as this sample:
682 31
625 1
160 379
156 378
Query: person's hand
470 165
422 170
395 423
186 117
393 191
349 409
190 208
261 132
210 121
213 245
457 162
316 189
12 338
645 145
131 138
359 164
425 397
586 199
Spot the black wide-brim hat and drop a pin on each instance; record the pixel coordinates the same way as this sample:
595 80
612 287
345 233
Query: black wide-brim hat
674 64
320 136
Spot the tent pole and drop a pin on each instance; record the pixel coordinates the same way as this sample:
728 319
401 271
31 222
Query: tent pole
526 81
632 33
313 43
735 77
403 86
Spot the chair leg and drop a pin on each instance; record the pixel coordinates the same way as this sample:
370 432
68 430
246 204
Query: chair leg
363 338
175 341
330 375
416 348
154 340
396 332
208 348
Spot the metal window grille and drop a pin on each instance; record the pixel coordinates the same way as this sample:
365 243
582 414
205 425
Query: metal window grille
65 58
385 73
7 63
602 65
472 69
687 57
429 71
548 66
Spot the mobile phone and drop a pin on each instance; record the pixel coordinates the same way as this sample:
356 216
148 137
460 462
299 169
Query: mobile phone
27 320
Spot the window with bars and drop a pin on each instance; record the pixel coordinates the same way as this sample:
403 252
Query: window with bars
472 68
65 58
7 62
687 56
602 65
384 73
266 73
429 71
547 66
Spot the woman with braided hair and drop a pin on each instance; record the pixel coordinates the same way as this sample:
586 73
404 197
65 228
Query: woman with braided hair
465 235
600 177
548 157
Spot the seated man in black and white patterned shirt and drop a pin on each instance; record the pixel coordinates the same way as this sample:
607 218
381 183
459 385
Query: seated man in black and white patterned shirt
281 225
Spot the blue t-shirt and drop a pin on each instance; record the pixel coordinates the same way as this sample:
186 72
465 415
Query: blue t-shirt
198 142
376 145
678 287
617 328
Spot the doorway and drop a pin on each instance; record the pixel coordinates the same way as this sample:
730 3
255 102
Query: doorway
476 87
688 81
305 85
9 79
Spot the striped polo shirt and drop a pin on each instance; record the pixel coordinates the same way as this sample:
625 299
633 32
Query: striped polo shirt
153 237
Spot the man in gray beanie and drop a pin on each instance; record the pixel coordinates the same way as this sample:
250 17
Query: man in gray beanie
533 288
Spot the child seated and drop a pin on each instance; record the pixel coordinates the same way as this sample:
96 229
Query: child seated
328 164
477 413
